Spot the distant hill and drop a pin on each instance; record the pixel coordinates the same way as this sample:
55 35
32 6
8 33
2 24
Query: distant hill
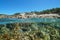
47 11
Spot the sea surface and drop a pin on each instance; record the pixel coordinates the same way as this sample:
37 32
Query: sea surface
28 20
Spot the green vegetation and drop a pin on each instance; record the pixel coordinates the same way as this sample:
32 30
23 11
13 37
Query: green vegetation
48 11
30 31
16 13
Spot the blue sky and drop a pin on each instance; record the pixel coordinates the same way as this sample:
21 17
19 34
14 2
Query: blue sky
13 6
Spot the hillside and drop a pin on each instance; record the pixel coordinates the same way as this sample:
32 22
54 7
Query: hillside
49 11
55 12
32 28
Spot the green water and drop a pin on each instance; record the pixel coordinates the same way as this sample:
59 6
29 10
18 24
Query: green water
33 28
29 20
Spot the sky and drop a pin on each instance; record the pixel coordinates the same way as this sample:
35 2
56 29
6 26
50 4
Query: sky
15 6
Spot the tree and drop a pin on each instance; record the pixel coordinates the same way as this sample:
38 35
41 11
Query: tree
17 14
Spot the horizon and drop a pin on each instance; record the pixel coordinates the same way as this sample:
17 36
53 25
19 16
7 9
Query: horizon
18 6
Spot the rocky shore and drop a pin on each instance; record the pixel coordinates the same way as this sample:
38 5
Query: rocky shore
49 13
33 15
31 30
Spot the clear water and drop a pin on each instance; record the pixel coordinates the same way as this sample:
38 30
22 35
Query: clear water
29 20
39 28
